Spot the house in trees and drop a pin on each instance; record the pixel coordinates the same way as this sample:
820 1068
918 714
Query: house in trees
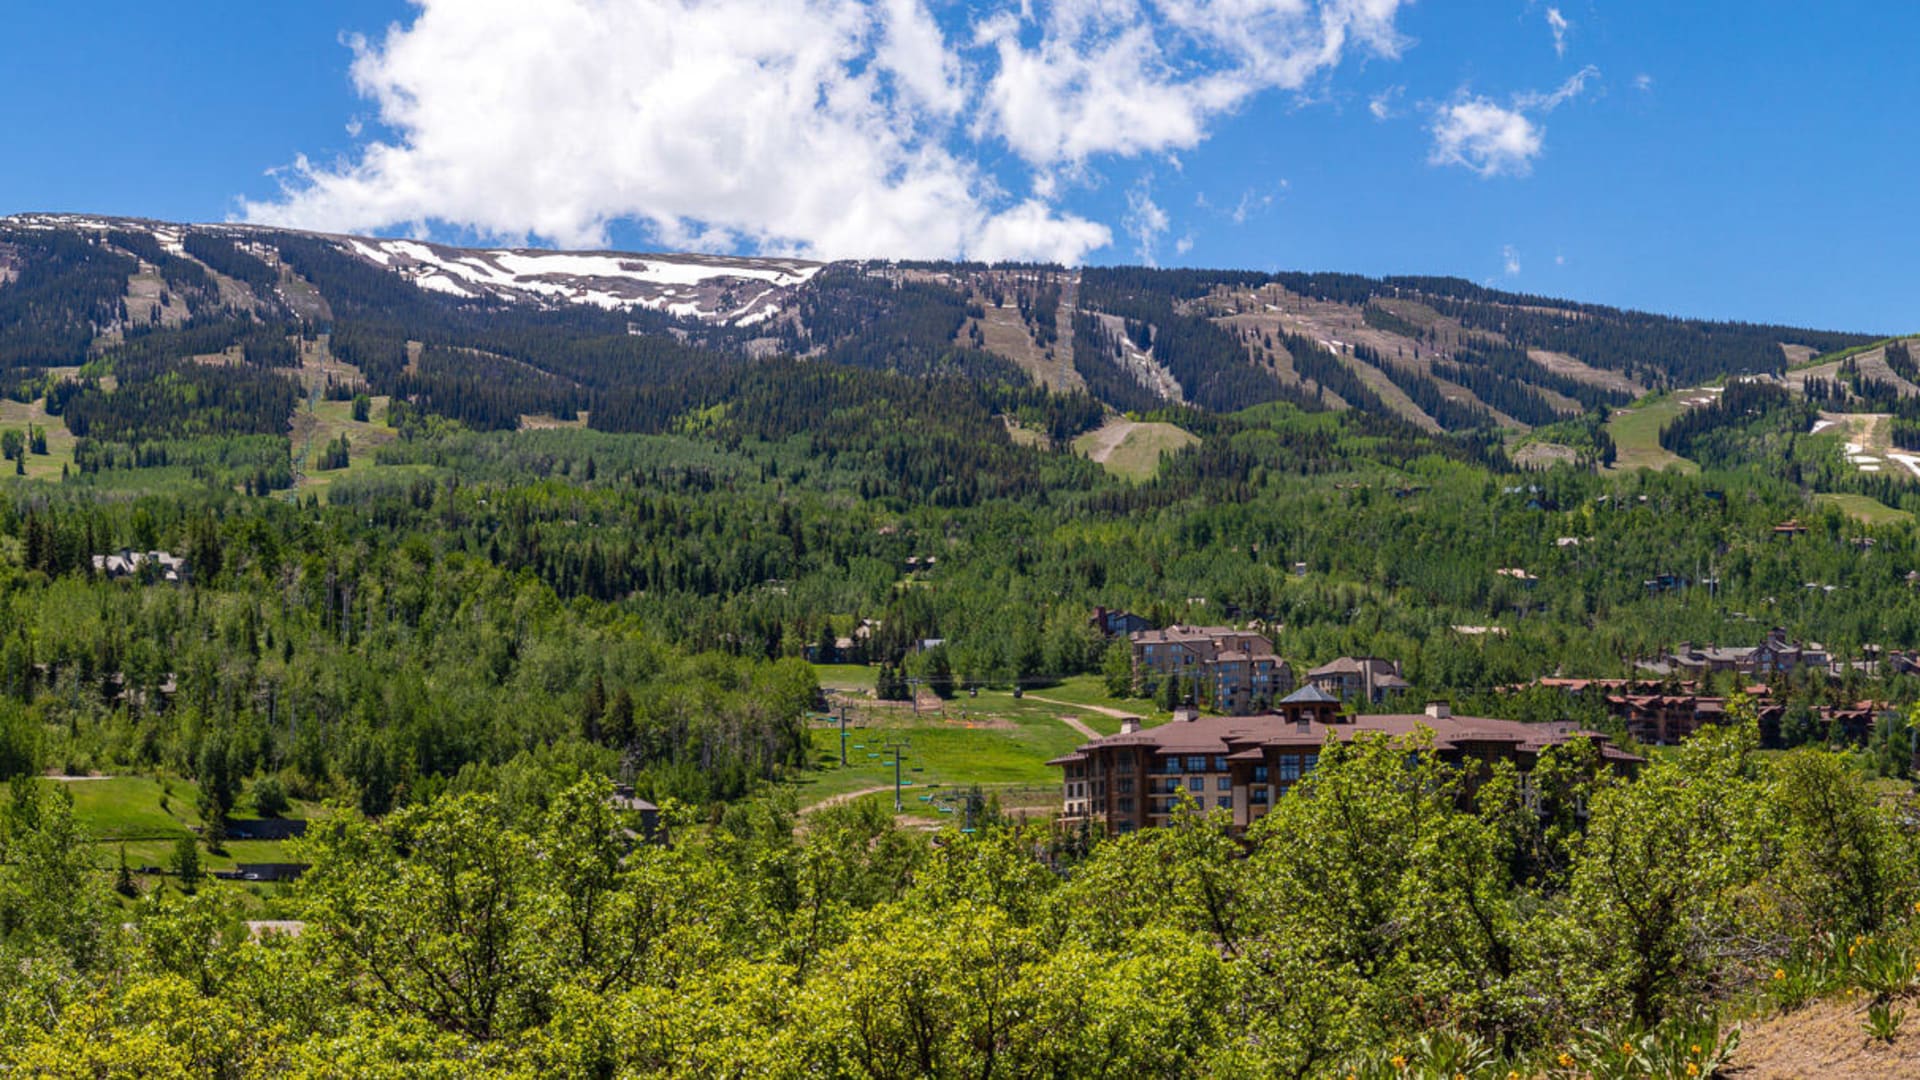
1777 655
1360 678
1241 766
1236 670
1113 624
157 566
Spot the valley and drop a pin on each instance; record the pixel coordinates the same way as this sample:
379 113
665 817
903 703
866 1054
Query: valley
374 601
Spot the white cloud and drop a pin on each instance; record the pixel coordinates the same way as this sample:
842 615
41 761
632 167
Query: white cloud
1559 25
1575 86
822 127
1145 221
1477 134
1249 205
1559 260
1643 82
1510 260
1382 103
1183 245
1494 140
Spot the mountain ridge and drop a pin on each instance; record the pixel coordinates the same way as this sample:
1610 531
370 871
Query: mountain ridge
1440 353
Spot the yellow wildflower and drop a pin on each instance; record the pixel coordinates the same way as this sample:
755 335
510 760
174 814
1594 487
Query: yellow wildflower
1696 1048
1566 1061
1692 1069
1626 1048
1779 973
1399 1062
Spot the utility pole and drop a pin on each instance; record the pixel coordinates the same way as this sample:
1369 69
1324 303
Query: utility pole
843 734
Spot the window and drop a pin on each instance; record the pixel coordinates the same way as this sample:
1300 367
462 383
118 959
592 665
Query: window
1313 762
1123 759
1197 763
1125 786
1223 803
1126 806
1224 783
1259 774
1259 796
1197 785
1219 764
1289 769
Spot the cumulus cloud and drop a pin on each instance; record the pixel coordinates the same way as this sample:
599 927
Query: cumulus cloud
1490 139
822 127
1643 82
1477 134
1559 25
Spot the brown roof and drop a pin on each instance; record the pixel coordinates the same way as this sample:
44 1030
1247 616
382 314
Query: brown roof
1224 735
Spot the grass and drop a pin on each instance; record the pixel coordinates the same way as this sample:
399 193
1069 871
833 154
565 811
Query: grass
59 455
1864 509
847 676
1636 436
1132 450
147 816
317 423
994 740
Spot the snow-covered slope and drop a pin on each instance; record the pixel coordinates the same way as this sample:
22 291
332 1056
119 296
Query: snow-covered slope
709 288
712 288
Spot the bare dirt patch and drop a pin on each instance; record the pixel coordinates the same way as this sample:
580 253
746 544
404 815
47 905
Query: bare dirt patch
1826 1040
1798 354
1006 334
1874 365
1539 455
1572 368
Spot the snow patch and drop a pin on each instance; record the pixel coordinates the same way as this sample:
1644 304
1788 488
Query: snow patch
685 286
441 283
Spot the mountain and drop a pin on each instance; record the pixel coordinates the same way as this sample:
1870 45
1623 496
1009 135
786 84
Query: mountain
492 337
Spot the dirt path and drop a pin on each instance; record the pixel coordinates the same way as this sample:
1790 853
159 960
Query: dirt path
1080 725
1100 445
846 797
1117 714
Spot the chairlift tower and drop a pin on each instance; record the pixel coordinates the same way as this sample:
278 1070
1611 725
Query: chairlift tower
898 750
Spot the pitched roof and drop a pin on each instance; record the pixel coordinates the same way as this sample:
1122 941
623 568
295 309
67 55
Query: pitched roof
1309 695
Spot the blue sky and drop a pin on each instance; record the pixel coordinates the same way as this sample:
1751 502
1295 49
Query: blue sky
1749 161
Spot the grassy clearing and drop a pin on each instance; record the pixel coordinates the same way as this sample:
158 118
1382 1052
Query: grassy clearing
1132 450
1866 510
1636 436
318 423
147 816
59 455
862 677
993 740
